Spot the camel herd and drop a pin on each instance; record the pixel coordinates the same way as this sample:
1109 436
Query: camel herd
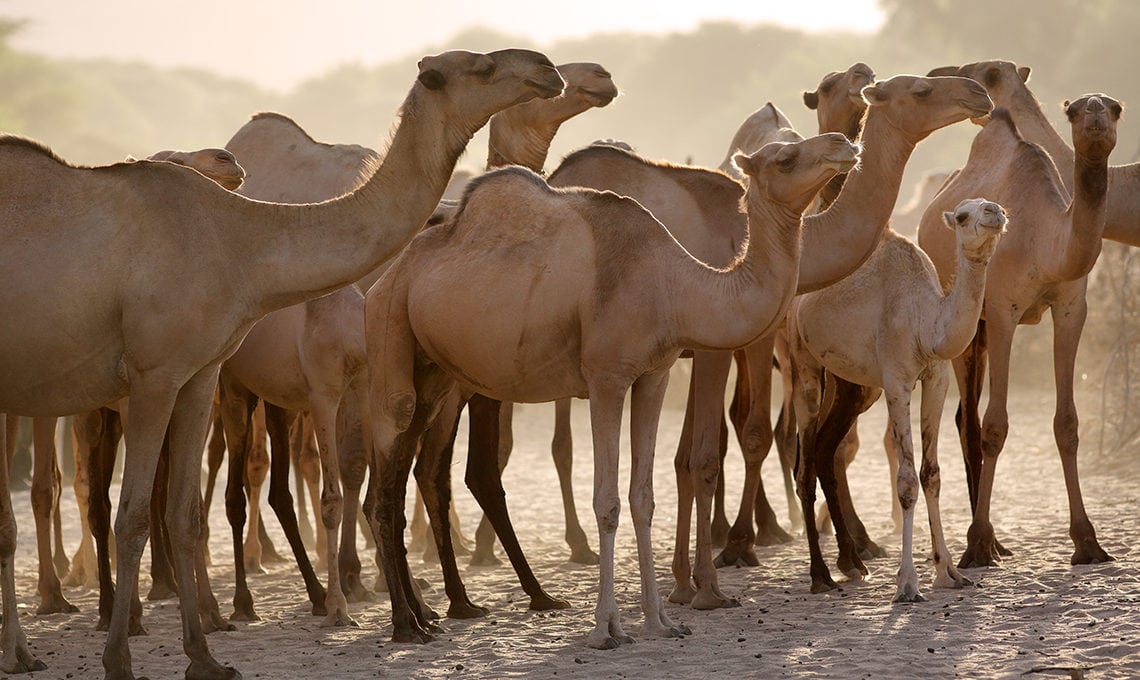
331 285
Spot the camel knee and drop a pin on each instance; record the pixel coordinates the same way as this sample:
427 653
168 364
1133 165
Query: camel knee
607 511
930 479
183 527
993 438
401 406
8 537
332 506
641 504
755 443
908 487
705 471
43 497
1065 431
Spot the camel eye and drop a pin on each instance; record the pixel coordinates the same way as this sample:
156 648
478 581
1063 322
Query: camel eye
924 92
962 217
992 77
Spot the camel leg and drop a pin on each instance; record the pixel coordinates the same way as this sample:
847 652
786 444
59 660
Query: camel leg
215 456
17 657
281 501
808 398
934 389
237 404
296 437
433 477
1068 322
683 587
484 555
256 470
710 375
44 502
831 433
324 408
981 546
84 569
354 455
486 484
646 398
719 515
848 448
893 469
970 369
562 450
898 410
785 434
189 423
59 553
163 582
309 462
605 416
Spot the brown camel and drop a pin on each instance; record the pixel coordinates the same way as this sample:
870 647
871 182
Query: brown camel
840 107
177 290
883 329
311 357
1007 84
1042 264
901 112
576 251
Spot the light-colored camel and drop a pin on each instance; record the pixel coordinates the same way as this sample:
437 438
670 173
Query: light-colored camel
1007 84
1042 264
766 124
884 329
175 291
311 357
598 297
840 107
901 112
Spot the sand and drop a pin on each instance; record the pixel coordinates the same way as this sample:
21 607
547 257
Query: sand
1035 616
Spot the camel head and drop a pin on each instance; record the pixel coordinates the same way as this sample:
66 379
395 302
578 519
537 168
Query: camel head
217 164
917 105
589 83
792 173
838 101
1094 118
1002 79
476 86
979 225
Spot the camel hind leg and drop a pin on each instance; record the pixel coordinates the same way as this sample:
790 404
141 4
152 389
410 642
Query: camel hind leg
934 389
45 501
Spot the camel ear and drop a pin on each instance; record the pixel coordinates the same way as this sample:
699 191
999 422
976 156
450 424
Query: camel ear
744 162
873 94
948 218
1023 73
943 71
432 79
1070 112
811 100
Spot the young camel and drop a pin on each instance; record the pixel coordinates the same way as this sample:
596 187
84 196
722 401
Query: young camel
901 112
124 328
311 357
885 328
576 251
1042 264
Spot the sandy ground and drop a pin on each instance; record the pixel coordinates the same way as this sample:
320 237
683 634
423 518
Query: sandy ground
1035 616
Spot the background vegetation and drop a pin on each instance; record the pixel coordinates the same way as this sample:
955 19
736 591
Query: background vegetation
684 94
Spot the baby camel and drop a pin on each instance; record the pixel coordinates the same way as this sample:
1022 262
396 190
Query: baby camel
883 329
608 300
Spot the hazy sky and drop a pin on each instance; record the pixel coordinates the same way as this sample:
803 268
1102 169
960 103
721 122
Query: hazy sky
278 43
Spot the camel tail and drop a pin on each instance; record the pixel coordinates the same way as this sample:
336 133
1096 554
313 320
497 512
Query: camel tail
391 364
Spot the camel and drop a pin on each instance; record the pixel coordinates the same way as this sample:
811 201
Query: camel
901 111
840 107
1007 84
593 335
884 329
220 166
1042 264
766 124
311 357
176 291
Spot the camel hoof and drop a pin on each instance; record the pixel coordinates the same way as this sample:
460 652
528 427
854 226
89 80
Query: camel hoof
1090 553
466 610
255 568
134 629
161 591
583 555
484 559
543 602
681 629
703 602
682 594
244 615
319 609
908 594
56 605
823 585
736 555
415 635
771 534
605 643
339 620
211 671
871 550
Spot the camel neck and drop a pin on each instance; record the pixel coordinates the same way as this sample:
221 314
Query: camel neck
317 248
831 190
1080 245
839 240
1035 127
521 135
1122 218
959 309
751 296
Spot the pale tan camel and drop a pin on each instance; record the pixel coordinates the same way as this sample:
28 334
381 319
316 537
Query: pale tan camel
765 124
886 328
901 112
840 107
582 329
1007 84
220 166
311 357
175 291
1042 264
